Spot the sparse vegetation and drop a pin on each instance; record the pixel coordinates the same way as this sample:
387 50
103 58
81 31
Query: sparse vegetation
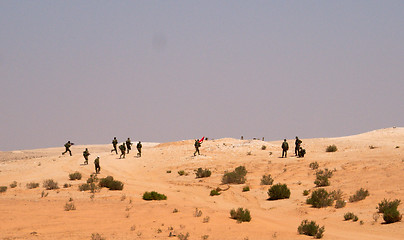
320 198
96 236
3 189
306 192
110 183
237 176
331 148
246 189
340 203
87 186
13 184
215 192
311 229
264 147
278 191
75 176
350 216
154 196
181 172
249 153
43 194
313 165
359 195
197 212
66 185
240 215
32 185
70 206
183 237
202 173
206 219
267 180
50 184
336 194
168 171
322 177
389 210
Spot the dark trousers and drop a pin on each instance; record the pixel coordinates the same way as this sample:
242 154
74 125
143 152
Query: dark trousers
196 151
97 168
67 150
139 152
284 152
122 154
116 151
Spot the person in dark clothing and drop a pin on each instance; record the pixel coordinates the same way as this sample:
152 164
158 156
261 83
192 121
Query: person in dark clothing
128 145
139 149
115 143
86 153
302 152
285 148
97 165
197 145
123 150
67 146
297 145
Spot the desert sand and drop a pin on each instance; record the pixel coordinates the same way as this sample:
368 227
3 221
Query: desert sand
25 214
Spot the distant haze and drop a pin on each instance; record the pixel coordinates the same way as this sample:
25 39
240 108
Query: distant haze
160 71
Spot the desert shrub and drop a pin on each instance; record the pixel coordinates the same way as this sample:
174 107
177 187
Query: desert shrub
310 229
75 176
387 204
181 236
49 184
87 186
240 215
3 189
96 236
313 165
70 206
320 198
32 185
110 183
66 185
267 180
336 194
200 173
197 212
331 148
372 147
359 195
237 176
214 192
349 216
263 147
181 172
13 184
246 189
355 218
278 191
153 196
306 192
340 203
322 177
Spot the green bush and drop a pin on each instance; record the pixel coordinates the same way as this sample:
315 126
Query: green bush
246 189
70 206
387 204
306 192
237 176
349 216
110 183
87 186
215 192
322 177
49 184
75 176
154 196
331 148
359 195
3 189
263 147
313 165
32 185
267 180
340 203
320 198
278 191
311 229
389 210
200 173
240 215
181 173
13 184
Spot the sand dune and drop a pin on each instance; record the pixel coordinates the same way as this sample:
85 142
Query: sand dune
24 214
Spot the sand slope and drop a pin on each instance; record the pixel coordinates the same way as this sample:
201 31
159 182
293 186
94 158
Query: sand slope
24 214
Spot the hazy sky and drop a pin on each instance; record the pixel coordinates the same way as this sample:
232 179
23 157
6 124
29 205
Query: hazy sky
160 71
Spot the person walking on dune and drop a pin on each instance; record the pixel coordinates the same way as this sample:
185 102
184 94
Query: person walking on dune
67 146
114 144
139 149
128 145
298 142
86 153
285 148
97 165
123 150
197 145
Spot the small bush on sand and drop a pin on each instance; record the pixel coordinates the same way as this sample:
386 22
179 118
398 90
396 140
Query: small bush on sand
110 183
154 196
336 194
32 185
215 192
263 147
320 198
313 165
311 229
359 195
182 236
182 173
3 189
306 192
340 203
200 173
246 188
49 184
75 176
240 215
331 148
70 206
237 176
13 184
87 186
96 236
267 180
278 191
389 210
349 216
322 177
